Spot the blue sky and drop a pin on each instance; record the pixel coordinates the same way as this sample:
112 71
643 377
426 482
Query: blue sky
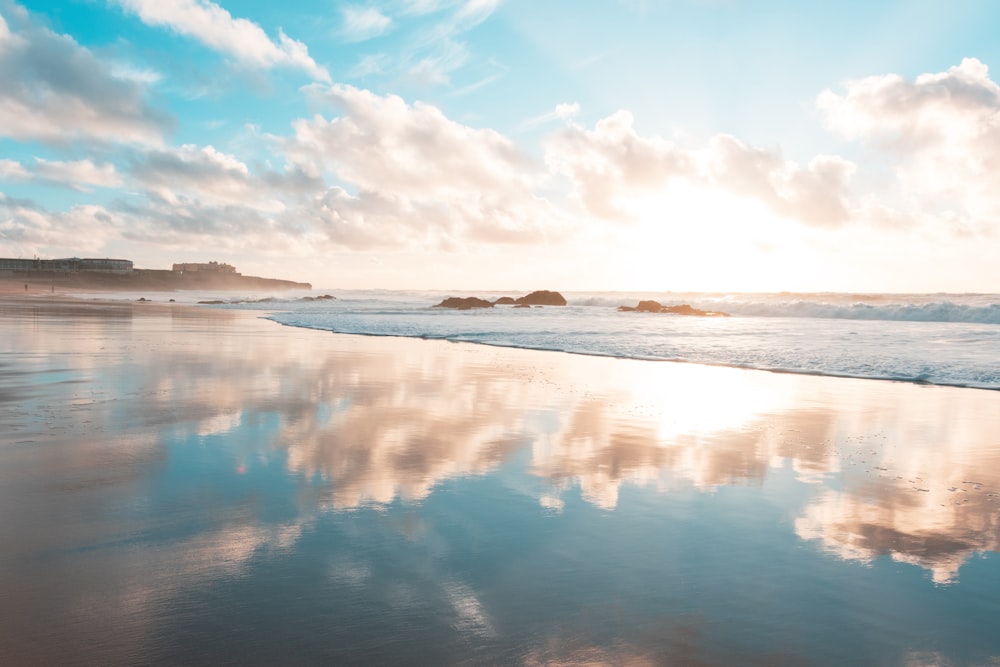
482 144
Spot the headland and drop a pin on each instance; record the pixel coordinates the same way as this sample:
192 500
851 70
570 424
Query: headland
76 274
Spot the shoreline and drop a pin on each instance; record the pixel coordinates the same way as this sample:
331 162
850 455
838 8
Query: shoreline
655 360
107 298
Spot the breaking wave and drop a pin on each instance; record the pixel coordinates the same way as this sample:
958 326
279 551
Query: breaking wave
943 311
969 309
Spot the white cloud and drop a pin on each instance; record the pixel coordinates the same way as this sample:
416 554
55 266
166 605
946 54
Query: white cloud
613 163
815 194
376 63
418 174
437 49
187 222
381 143
362 23
239 38
422 7
957 105
563 112
567 111
79 173
476 85
141 75
942 133
384 174
474 12
203 176
56 91
470 12
436 69
25 228
11 170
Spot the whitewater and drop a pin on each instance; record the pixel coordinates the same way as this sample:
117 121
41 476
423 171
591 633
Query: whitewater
944 339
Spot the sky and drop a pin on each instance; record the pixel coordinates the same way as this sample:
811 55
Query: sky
641 145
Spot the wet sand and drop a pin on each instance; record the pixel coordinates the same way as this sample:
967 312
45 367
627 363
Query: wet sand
17 288
193 485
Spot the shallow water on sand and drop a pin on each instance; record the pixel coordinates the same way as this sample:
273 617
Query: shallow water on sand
210 488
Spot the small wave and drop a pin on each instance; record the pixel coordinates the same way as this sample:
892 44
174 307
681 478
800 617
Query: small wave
943 311
967 309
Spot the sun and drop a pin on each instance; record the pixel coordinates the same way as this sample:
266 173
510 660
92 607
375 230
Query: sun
694 238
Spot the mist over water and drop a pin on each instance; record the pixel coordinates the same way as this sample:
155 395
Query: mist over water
935 338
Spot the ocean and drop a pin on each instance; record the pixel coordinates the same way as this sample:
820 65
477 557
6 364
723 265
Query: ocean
943 339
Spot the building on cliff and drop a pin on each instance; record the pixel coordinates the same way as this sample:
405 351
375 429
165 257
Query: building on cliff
207 267
67 265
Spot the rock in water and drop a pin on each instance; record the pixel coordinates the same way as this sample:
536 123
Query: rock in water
466 303
543 298
683 309
649 307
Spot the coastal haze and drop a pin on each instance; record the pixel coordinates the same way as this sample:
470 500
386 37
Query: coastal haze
461 332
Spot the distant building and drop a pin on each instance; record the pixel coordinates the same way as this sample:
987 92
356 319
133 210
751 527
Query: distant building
209 267
67 265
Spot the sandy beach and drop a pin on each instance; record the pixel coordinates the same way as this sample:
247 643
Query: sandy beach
11 287
183 484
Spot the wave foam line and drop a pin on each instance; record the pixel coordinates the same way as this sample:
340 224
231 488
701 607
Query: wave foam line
925 378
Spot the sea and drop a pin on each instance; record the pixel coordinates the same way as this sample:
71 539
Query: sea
942 339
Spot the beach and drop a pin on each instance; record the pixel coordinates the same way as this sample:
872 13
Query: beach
202 486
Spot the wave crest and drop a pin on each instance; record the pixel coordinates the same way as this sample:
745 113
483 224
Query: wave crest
941 311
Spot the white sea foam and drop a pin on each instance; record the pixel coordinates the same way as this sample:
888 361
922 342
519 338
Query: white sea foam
982 309
936 311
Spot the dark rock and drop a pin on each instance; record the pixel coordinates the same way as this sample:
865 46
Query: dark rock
214 302
464 303
683 309
543 298
504 301
523 305
649 307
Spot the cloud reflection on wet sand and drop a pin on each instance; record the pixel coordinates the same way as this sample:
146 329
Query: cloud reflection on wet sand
379 419
102 400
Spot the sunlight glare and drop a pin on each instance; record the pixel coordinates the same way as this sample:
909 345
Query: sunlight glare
690 400
693 237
